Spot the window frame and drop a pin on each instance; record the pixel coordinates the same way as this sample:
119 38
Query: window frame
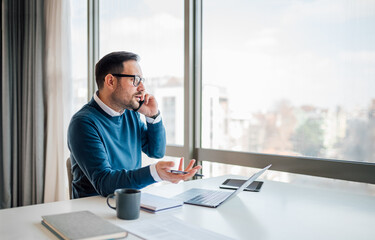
92 45
191 149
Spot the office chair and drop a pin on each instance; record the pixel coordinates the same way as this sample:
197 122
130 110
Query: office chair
70 177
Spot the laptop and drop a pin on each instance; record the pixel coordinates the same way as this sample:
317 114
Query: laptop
214 198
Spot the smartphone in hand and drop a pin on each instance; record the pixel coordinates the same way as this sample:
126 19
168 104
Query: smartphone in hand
140 105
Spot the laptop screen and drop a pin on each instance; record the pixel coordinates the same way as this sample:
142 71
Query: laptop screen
249 181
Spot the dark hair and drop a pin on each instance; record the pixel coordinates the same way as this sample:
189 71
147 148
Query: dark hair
112 63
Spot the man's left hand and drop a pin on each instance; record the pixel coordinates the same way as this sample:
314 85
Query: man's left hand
163 168
150 106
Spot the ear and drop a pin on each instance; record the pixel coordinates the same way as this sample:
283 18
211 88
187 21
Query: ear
110 81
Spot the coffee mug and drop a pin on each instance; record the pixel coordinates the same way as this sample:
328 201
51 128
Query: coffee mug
128 203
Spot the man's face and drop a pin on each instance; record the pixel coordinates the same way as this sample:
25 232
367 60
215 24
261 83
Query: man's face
126 96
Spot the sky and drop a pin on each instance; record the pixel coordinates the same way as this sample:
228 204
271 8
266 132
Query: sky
309 52
313 52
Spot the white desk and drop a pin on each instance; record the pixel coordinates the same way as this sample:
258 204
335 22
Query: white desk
279 211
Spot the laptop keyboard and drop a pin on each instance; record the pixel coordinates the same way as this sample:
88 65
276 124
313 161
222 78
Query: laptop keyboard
203 197
212 198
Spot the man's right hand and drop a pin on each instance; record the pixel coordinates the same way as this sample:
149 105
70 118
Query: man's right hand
163 168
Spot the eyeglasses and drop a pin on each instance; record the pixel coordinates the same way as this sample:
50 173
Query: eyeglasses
136 79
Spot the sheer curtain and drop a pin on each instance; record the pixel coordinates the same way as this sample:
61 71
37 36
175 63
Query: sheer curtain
35 101
59 100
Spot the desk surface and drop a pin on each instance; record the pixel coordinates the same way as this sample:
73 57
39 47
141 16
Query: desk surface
279 211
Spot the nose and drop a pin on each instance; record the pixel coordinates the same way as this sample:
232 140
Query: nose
141 87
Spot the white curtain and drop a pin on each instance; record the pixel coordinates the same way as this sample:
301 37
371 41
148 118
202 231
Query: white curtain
59 100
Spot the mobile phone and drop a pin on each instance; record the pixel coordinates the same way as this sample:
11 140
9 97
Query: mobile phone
140 105
183 172
235 183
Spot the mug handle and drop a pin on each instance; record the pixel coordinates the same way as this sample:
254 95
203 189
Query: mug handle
108 197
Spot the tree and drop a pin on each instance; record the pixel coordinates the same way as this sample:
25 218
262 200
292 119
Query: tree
308 138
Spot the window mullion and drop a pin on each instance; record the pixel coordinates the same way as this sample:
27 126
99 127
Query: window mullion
93 44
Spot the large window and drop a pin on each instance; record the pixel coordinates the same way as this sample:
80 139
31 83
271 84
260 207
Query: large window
155 31
293 78
246 83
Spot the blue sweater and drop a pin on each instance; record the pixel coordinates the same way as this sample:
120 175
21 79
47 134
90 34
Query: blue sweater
106 151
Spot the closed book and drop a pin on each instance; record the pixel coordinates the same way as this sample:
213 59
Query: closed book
82 225
154 203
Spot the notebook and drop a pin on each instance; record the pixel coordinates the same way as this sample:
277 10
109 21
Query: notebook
82 225
214 198
153 203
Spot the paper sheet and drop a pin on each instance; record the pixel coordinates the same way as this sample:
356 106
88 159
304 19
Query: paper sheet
169 227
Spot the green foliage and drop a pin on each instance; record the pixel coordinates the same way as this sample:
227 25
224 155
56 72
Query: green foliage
308 138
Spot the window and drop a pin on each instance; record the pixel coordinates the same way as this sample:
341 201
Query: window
78 29
169 116
155 31
294 78
288 83
78 11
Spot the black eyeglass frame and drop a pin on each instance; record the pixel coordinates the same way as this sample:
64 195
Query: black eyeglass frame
136 79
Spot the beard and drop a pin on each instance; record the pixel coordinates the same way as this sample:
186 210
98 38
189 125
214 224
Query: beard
118 99
135 104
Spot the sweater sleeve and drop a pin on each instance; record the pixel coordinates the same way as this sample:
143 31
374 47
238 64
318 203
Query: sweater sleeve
89 152
153 139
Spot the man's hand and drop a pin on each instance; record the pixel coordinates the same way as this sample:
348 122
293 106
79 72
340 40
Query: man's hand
164 167
150 106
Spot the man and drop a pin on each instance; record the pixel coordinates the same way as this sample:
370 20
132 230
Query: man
106 136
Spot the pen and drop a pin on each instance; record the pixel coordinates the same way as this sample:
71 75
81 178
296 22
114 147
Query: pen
183 172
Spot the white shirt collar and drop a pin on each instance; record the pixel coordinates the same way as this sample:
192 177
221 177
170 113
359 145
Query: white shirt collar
105 108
